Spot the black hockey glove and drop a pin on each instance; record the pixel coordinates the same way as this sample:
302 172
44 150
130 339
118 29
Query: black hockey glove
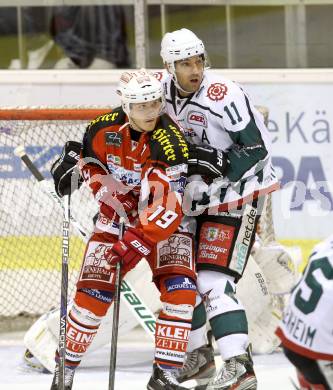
63 167
206 161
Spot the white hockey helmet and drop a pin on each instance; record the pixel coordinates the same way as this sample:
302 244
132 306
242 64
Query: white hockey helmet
139 86
180 44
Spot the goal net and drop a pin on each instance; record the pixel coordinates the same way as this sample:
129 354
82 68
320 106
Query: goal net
30 222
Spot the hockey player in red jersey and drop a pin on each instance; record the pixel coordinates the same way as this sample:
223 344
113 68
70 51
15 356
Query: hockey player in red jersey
306 330
135 161
214 111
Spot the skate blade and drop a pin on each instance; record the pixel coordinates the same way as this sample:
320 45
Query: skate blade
248 384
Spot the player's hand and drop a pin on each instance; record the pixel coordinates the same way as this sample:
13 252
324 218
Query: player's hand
130 250
206 161
115 206
63 168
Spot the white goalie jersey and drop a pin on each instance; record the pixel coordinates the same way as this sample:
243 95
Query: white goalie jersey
307 326
220 114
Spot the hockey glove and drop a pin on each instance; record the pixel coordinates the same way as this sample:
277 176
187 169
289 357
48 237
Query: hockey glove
206 161
111 207
63 168
130 250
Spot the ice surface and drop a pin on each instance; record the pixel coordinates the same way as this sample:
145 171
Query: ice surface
135 352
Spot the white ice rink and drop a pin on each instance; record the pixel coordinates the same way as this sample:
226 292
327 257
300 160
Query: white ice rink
135 352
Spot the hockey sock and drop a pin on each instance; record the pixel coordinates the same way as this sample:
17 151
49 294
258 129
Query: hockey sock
225 313
173 324
82 326
83 321
198 334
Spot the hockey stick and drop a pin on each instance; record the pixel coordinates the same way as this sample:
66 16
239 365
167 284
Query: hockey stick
115 322
64 292
20 152
134 303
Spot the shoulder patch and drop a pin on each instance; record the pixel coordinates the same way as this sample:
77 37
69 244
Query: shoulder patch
113 138
217 91
197 118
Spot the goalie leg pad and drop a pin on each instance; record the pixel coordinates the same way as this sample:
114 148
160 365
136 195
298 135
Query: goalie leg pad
225 313
278 266
173 324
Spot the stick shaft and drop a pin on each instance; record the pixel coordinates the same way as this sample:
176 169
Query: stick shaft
64 292
115 322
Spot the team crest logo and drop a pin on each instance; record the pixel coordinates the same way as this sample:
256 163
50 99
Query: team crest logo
211 233
217 91
224 235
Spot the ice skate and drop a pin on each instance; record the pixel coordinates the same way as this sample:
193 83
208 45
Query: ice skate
163 380
236 374
199 364
69 376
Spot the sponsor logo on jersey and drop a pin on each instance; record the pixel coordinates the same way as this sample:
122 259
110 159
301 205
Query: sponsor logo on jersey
217 91
113 138
178 185
189 133
137 167
175 171
105 118
104 296
95 266
197 118
163 138
181 141
127 176
113 159
172 332
215 243
177 251
179 283
244 238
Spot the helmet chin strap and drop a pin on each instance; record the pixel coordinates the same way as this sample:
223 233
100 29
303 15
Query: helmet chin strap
134 125
178 85
174 77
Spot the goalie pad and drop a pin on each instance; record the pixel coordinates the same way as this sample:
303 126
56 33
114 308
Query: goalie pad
262 313
42 337
278 266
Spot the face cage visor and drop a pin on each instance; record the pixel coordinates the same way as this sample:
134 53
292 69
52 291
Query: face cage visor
146 111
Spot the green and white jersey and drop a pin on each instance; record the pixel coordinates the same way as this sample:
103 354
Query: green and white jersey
221 114
307 325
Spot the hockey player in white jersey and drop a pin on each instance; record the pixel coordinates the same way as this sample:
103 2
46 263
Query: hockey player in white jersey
306 330
216 111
